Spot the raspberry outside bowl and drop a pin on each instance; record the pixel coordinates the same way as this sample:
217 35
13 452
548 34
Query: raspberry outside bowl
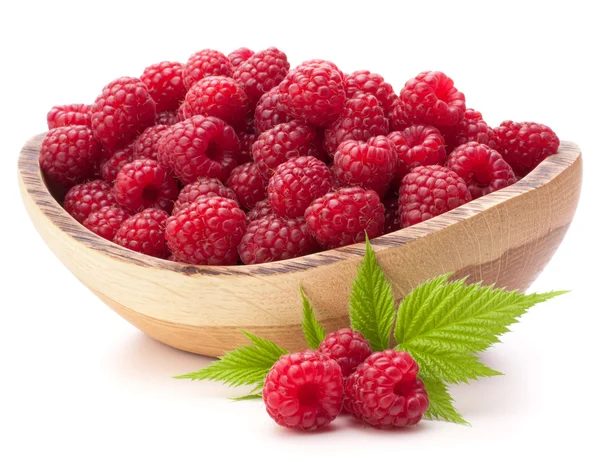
505 238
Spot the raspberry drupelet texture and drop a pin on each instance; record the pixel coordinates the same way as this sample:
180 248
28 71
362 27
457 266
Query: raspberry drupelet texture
471 128
111 167
182 112
207 232
385 392
429 191
69 114
143 184
431 98
296 183
524 145
246 139
68 154
106 221
370 164
483 169
260 210
392 214
373 84
283 142
165 84
167 117
237 57
266 114
345 216
275 238
202 187
248 185
144 232
123 110
85 198
205 63
361 119
398 118
146 145
317 62
304 390
346 347
199 147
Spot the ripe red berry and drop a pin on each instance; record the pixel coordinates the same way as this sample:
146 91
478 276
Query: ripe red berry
398 118
304 390
146 145
262 72
266 114
317 62
167 118
205 63
106 221
69 114
248 184
84 198
202 187
144 232
347 347
373 84
239 56
471 128
246 141
165 84
345 216
260 210
111 167
429 191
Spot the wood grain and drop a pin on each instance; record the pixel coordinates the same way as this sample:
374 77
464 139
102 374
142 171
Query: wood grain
505 238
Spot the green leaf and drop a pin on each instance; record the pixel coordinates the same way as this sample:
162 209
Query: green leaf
313 331
246 365
441 404
247 397
372 306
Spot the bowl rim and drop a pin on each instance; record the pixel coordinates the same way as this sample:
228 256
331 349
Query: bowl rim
33 184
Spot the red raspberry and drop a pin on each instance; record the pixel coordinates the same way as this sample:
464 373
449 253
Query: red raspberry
431 98
146 145
111 167
144 183
392 215
67 154
260 210
237 57
345 216
207 232
182 112
385 391
525 145
246 141
369 164
84 198
283 142
105 222
320 62
220 97
471 128
144 232
429 191
69 114
483 169
203 187
165 84
199 147
313 93
274 238
397 117
166 118
346 347
296 183
373 84
361 119
205 63
304 390
248 184
417 145
261 72
267 115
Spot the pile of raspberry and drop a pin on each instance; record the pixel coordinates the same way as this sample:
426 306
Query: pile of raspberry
236 159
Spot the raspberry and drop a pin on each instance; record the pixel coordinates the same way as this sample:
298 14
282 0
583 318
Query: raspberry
345 216
346 347
471 128
304 390
248 184
429 191
205 63
203 187
397 117
69 114
144 183
296 183
144 232
123 110
482 168
166 118
246 142
369 164
260 210
261 72
373 84
361 119
67 154
165 84
105 222
146 145
273 238
385 391
266 114
431 98
525 145
84 198
313 93
111 167
207 232
320 62
392 215
417 145
182 112
220 97
237 57
199 147
283 142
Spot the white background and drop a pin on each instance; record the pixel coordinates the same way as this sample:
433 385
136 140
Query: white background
79 383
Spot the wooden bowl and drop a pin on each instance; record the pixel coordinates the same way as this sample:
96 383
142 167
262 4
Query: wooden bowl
504 238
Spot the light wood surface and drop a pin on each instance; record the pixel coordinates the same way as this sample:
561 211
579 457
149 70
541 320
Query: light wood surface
505 238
